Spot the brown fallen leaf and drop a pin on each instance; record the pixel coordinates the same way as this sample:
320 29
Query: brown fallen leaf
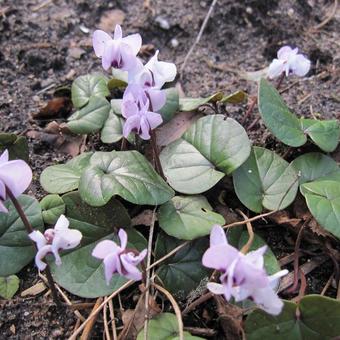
144 218
34 290
110 19
56 107
283 218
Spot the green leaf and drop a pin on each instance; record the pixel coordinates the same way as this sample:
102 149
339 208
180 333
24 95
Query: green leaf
114 83
171 105
116 106
235 98
52 207
16 249
17 146
112 130
188 218
81 273
265 180
283 124
324 133
124 173
87 86
61 178
184 271
164 327
315 318
323 201
191 104
213 143
314 165
91 117
9 286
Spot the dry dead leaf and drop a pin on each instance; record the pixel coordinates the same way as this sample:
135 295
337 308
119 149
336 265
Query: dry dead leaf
110 19
34 290
56 107
144 218
283 218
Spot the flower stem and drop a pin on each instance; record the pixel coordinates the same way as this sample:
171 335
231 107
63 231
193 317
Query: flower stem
279 83
29 230
158 164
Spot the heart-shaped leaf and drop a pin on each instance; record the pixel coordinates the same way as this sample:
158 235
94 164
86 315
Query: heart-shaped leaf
191 104
17 146
16 249
315 317
112 130
171 105
324 133
9 286
116 106
91 117
81 273
314 165
87 86
235 98
61 178
265 180
283 124
183 272
187 218
124 173
212 142
323 201
52 207
164 327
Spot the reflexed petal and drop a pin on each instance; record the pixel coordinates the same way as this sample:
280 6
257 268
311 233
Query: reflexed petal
301 65
128 59
99 39
62 223
268 300
217 236
129 108
274 279
157 99
110 54
215 288
123 238
41 253
16 175
134 41
130 270
144 129
255 257
229 275
131 124
4 157
285 52
154 119
67 239
118 32
276 68
104 248
38 238
110 266
219 257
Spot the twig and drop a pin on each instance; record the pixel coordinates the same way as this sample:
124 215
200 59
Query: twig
113 322
147 274
328 19
198 38
201 331
88 329
96 311
328 283
205 297
106 326
158 163
247 246
175 307
249 110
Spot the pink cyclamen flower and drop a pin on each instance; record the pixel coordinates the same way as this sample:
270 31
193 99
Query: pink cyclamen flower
136 110
243 276
118 259
54 240
15 175
118 52
289 61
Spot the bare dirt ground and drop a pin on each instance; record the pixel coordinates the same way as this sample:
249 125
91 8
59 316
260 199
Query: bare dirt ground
46 44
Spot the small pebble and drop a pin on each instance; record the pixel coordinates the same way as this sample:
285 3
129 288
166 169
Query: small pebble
174 42
249 10
84 29
162 22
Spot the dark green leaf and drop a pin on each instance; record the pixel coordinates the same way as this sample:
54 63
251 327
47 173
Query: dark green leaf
191 104
9 286
17 146
52 207
172 104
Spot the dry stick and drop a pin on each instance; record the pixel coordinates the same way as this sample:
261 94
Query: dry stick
113 322
175 307
29 230
329 18
328 283
247 246
147 274
100 307
204 24
197 302
88 329
106 326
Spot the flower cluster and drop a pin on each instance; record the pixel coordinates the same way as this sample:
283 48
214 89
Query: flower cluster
15 176
289 62
143 96
243 276
54 240
118 259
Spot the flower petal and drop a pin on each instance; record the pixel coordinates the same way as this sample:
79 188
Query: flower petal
110 54
157 99
301 65
41 253
105 248
118 32
4 157
154 119
99 39
215 288
217 236
131 124
129 268
62 223
110 266
3 208
123 238
144 129
38 238
276 68
3 193
134 41
219 257
285 52
268 300
255 257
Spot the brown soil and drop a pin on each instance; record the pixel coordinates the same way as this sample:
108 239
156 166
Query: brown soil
43 46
